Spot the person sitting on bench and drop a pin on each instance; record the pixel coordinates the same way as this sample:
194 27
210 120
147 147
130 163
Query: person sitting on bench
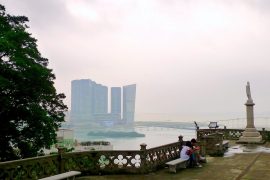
186 151
187 154
196 153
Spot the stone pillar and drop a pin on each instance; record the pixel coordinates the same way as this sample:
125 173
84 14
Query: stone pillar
61 151
143 167
181 143
143 146
250 135
180 138
250 114
203 146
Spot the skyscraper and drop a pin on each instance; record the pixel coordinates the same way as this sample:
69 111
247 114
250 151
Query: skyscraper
82 99
129 95
116 100
100 97
87 99
89 103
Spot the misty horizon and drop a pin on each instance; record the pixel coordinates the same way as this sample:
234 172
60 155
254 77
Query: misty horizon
189 59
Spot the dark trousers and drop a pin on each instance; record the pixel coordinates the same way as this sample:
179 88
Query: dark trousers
191 162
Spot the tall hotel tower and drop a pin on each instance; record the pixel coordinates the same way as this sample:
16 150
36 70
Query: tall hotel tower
81 100
116 101
89 103
129 95
87 99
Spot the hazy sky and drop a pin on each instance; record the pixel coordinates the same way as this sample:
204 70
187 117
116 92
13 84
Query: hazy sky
188 57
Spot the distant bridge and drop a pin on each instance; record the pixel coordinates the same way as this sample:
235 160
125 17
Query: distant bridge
167 124
234 123
240 123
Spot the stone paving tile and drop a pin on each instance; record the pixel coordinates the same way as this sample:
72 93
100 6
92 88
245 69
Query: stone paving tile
260 170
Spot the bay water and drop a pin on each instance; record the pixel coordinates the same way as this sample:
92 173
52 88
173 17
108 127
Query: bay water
154 136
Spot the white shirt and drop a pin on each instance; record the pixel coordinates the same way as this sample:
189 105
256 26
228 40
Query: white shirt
183 154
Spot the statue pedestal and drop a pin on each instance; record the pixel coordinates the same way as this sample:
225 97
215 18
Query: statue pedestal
250 135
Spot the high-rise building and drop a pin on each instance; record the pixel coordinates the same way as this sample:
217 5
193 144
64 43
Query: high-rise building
129 95
89 103
82 99
116 103
100 99
116 100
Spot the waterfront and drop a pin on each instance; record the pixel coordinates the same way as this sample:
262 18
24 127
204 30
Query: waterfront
159 133
154 136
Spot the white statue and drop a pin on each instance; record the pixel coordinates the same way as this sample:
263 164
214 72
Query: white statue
248 92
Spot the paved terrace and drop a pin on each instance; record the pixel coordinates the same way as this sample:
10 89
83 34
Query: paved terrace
244 166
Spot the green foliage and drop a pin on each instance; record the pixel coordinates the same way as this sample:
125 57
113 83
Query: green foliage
30 109
265 135
70 149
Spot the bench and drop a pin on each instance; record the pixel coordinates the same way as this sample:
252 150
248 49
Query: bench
221 148
66 175
225 144
177 163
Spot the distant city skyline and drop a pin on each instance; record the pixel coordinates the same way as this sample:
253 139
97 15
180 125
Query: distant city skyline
89 103
190 59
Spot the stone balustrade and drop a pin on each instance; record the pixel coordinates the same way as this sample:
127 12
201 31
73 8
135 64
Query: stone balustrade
109 162
92 162
30 168
212 140
230 134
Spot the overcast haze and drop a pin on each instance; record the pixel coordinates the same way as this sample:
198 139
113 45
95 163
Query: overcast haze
188 58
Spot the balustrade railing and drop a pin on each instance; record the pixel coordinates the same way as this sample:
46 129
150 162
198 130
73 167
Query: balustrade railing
230 134
210 138
30 168
158 156
106 162
92 162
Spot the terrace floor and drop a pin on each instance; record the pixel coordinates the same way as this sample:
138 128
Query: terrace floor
250 165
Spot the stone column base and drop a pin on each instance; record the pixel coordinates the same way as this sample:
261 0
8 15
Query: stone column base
250 135
250 139
251 132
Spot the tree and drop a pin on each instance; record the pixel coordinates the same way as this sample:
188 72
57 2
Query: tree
30 108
